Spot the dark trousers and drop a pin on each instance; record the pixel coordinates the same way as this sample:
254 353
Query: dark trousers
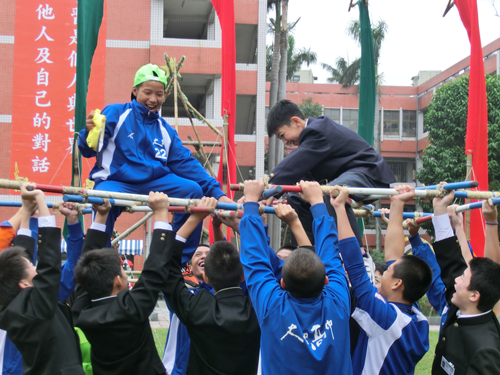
350 179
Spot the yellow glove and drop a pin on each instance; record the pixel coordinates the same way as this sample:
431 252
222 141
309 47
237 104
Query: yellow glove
97 132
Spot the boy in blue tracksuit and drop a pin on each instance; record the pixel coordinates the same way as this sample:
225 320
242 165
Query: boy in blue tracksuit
437 291
141 152
304 326
395 334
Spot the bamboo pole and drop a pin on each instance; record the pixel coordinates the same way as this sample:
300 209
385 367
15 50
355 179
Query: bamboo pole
176 107
217 131
205 143
202 148
469 177
132 228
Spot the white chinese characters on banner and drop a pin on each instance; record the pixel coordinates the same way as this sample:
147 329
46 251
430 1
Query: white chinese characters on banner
41 141
42 77
38 121
47 38
43 33
40 165
45 12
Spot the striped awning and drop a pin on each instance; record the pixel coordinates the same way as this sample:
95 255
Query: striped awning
127 247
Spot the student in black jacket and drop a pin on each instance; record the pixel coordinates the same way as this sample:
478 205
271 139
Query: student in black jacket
327 152
29 311
224 331
469 342
115 320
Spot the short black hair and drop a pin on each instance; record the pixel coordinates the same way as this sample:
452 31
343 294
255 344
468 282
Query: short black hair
12 270
287 247
281 114
304 274
132 96
485 274
416 275
223 266
380 267
96 272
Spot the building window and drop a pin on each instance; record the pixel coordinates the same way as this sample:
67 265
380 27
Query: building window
399 170
188 20
350 119
333 113
198 88
266 112
391 123
296 79
409 123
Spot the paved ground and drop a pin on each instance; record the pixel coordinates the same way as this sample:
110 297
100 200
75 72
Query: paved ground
160 317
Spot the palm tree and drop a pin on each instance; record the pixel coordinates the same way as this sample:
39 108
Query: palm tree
346 74
296 57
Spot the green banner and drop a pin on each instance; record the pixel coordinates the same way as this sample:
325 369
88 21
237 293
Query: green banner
89 20
367 88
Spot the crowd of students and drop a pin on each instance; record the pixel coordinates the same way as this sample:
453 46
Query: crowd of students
323 307
316 312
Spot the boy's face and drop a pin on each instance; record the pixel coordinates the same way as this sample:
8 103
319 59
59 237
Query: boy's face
378 279
387 280
461 297
30 274
150 94
198 262
290 134
283 253
124 278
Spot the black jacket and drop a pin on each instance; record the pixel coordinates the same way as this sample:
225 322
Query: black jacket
35 322
326 150
117 327
468 345
224 331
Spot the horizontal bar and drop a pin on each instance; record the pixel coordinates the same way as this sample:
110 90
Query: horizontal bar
451 186
386 192
272 192
49 205
406 215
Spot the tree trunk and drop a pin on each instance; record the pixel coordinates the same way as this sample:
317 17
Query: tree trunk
273 95
275 223
376 146
283 51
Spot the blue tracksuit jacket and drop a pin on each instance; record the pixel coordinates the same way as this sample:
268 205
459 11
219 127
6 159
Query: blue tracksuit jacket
437 291
394 336
140 146
298 335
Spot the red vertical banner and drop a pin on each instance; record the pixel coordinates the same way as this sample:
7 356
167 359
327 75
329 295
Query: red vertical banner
44 85
476 141
225 12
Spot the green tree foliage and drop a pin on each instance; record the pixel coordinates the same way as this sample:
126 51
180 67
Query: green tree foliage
295 56
347 73
446 122
310 109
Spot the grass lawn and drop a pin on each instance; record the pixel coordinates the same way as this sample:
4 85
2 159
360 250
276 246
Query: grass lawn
423 367
160 336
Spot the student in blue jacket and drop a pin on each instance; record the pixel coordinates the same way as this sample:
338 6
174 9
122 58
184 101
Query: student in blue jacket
395 334
304 319
141 152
